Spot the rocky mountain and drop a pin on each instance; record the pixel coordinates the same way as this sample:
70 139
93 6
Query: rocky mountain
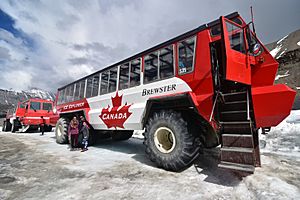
287 53
9 98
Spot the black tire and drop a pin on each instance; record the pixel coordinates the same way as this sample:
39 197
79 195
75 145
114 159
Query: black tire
4 126
92 138
168 141
14 127
121 135
7 126
61 131
47 128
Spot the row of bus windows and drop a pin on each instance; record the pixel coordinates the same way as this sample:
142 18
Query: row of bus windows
158 65
37 106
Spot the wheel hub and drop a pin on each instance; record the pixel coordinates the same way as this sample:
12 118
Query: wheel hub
164 140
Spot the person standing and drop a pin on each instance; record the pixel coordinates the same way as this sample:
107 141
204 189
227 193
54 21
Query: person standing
85 133
73 133
42 125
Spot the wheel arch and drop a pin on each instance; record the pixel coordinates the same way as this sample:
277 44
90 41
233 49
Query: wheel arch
185 104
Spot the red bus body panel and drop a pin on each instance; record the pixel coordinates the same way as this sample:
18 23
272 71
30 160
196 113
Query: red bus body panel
272 104
237 64
31 117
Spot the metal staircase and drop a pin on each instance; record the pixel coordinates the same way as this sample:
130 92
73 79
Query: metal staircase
239 150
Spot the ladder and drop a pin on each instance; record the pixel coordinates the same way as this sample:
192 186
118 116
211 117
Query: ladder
239 146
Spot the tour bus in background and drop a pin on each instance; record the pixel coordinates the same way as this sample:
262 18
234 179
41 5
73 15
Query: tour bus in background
29 115
212 85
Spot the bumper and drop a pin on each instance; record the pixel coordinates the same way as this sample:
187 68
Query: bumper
272 104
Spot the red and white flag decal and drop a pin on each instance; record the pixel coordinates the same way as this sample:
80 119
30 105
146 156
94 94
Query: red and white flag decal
116 115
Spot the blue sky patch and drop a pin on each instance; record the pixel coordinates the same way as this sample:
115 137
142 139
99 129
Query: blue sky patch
7 23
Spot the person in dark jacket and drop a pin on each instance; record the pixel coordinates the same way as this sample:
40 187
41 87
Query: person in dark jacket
42 125
73 133
85 134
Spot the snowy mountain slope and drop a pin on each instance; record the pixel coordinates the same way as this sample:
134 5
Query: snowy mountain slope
286 44
287 53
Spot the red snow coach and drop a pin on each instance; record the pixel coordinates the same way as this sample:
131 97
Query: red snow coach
212 85
29 115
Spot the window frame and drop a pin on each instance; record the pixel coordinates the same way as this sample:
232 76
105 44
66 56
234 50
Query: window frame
49 104
30 108
194 55
158 64
174 62
129 68
109 70
140 82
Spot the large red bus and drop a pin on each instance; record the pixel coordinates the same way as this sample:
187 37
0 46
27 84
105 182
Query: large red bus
29 115
212 85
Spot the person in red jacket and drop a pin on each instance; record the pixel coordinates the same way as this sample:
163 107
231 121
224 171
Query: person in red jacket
73 133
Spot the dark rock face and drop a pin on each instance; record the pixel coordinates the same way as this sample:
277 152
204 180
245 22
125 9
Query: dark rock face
288 57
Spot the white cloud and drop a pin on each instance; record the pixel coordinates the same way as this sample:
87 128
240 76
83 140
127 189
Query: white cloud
19 79
75 38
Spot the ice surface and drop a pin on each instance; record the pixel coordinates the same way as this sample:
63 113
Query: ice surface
284 139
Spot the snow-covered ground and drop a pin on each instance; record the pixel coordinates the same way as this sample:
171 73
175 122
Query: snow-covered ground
284 139
35 167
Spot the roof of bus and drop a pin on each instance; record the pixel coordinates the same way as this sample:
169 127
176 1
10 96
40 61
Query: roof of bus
180 37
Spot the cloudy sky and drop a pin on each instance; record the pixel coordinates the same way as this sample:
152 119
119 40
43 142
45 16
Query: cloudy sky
47 43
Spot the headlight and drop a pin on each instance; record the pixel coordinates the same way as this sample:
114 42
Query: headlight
256 49
54 110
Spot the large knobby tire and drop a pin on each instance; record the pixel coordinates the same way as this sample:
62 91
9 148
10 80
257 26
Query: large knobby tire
47 128
168 141
61 131
4 125
14 127
121 135
7 126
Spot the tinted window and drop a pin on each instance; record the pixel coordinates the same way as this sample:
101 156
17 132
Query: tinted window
63 100
35 106
104 82
60 96
236 37
47 106
95 85
89 87
82 87
151 67
112 84
135 71
186 55
166 64
215 30
77 91
124 76
22 105
69 93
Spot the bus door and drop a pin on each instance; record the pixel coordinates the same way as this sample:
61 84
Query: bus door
236 60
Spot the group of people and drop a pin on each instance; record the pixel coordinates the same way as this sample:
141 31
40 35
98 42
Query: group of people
75 129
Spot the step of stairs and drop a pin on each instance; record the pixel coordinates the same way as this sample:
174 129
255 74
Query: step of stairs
237 151
237 167
237 140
